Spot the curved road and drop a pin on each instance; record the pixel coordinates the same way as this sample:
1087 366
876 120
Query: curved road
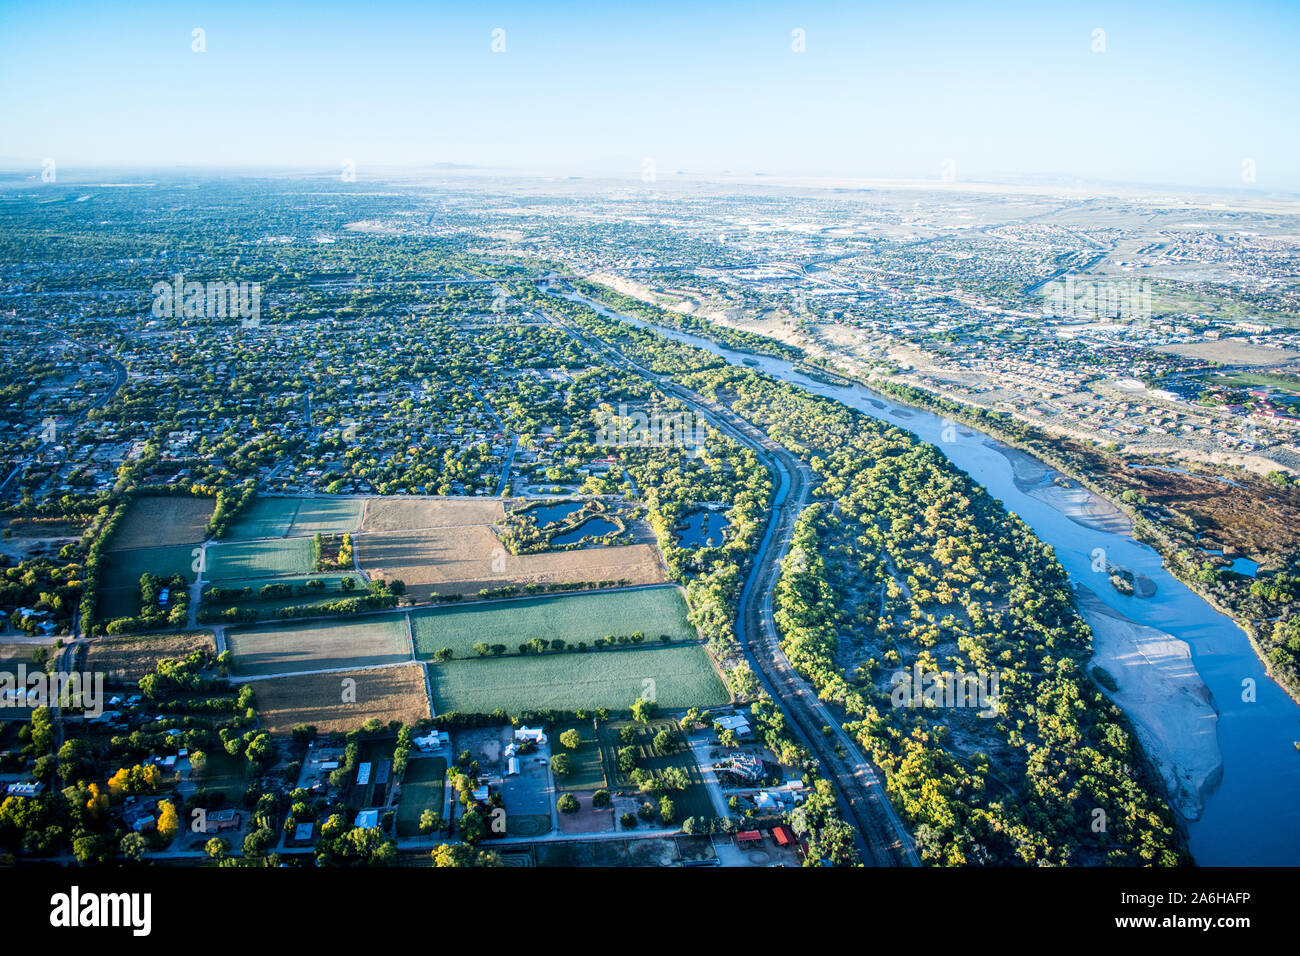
882 838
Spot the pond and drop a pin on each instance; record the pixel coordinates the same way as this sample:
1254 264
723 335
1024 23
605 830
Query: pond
703 528
592 528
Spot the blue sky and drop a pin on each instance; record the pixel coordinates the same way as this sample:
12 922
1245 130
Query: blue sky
1182 94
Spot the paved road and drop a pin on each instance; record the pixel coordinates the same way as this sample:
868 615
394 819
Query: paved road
882 838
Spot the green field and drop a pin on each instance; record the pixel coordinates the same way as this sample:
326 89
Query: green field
258 559
122 569
571 617
422 788
286 648
225 774
117 602
263 518
332 592
588 767
694 801
681 676
326 515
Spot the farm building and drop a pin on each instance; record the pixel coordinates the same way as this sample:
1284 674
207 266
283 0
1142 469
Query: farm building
536 734
436 740
744 837
783 835
735 723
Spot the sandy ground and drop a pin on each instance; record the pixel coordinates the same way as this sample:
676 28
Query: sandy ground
1168 703
1075 502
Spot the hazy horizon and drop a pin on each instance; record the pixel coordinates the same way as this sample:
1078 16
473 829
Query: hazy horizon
1174 95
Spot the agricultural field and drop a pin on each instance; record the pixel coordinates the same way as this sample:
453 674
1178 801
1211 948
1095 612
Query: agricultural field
126 659
332 591
388 693
264 518
161 522
422 789
694 801
327 516
681 677
588 767
450 547
412 514
122 569
11 655
230 561
226 775
271 649
569 617
117 602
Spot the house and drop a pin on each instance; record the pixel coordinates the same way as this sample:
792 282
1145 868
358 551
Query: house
536 735
735 723
436 740
219 821
138 817
512 766
30 788
747 766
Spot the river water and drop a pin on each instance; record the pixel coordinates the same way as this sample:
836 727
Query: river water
1252 818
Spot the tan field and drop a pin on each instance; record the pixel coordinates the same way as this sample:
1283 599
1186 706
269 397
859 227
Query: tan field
468 559
159 522
449 547
127 659
389 693
409 514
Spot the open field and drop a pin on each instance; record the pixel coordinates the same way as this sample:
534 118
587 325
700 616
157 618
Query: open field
285 648
331 592
569 617
117 602
127 659
256 559
159 522
1231 352
226 775
449 547
264 518
694 801
408 514
326 515
122 569
681 676
422 789
389 693
11 655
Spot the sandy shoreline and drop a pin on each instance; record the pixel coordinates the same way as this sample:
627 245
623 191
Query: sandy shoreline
1170 706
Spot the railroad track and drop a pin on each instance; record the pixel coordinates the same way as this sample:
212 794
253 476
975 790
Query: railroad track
880 835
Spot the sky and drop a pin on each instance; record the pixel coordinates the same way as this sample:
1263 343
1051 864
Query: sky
1185 93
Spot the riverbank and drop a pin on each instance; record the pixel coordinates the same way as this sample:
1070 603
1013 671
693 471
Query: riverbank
1170 707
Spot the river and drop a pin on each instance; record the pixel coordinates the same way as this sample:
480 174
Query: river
1252 816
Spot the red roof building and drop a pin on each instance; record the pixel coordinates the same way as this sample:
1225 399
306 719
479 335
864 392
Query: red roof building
783 835
749 836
